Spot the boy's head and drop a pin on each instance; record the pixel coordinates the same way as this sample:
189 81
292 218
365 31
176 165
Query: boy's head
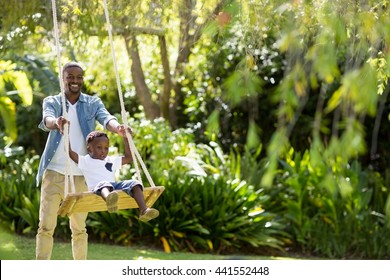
98 145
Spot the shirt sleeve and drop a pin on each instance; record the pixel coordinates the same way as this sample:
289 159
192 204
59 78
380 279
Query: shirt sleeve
117 162
82 163
50 108
102 114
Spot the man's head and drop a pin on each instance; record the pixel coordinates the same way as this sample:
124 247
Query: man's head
73 76
70 65
98 145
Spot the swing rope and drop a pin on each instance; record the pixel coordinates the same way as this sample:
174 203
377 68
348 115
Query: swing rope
69 180
133 149
88 201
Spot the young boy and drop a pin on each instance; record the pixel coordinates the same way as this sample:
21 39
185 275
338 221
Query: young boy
99 172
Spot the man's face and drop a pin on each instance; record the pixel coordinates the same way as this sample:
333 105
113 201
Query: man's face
73 80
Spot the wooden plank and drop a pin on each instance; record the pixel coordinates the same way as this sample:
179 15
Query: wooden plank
90 202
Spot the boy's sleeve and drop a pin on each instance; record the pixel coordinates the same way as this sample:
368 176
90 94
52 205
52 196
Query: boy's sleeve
82 163
117 163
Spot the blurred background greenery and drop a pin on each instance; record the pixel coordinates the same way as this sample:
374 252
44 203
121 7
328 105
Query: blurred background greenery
266 121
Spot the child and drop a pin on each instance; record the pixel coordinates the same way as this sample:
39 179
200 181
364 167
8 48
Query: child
99 172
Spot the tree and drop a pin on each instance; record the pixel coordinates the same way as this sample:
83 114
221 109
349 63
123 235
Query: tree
12 81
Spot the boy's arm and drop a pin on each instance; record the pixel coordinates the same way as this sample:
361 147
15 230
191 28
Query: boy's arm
73 155
127 158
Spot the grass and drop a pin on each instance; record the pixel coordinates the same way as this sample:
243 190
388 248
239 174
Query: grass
15 247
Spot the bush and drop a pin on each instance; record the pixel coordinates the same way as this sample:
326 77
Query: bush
19 197
331 208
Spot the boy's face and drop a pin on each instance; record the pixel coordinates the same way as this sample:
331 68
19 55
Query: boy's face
98 148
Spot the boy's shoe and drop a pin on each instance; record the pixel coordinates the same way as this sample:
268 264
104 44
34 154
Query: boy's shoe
111 201
149 214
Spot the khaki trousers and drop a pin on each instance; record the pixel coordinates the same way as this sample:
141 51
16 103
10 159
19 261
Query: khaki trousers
52 193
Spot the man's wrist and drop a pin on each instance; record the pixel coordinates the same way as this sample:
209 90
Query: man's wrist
54 124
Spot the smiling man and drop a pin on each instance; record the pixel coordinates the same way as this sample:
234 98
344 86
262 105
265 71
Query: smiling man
83 112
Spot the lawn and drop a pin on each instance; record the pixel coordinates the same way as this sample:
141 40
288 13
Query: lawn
14 247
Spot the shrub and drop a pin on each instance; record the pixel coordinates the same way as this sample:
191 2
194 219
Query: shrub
19 198
330 207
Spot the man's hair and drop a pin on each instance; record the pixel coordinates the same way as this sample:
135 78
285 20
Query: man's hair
71 64
95 134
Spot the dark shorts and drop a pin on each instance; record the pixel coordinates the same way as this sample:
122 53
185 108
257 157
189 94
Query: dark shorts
125 186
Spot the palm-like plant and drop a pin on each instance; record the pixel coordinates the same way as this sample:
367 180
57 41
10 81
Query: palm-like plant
12 81
17 77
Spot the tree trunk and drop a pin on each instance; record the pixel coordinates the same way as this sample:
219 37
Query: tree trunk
142 91
186 43
166 94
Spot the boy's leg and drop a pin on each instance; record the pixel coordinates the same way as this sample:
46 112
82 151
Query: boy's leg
146 214
135 190
138 196
111 199
105 190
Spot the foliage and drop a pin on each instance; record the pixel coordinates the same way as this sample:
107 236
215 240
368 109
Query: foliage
333 209
288 99
12 81
194 221
26 81
19 196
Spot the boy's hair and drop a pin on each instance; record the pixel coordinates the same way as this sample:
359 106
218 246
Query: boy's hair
95 134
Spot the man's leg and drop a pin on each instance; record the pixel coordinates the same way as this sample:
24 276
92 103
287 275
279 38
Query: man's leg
78 225
51 194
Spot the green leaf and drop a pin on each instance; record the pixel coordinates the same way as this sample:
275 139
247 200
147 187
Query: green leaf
212 128
252 138
387 211
242 84
8 116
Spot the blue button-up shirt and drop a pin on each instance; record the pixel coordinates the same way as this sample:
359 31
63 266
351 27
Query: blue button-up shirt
89 110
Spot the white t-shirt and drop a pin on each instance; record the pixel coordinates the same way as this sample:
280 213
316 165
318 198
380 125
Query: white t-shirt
76 138
97 170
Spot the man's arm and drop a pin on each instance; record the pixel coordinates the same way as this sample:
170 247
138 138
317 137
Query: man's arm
55 123
113 126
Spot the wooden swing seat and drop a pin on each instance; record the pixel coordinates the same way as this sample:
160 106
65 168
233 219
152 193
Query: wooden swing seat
90 202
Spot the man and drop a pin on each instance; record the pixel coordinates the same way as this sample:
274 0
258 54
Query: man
83 112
